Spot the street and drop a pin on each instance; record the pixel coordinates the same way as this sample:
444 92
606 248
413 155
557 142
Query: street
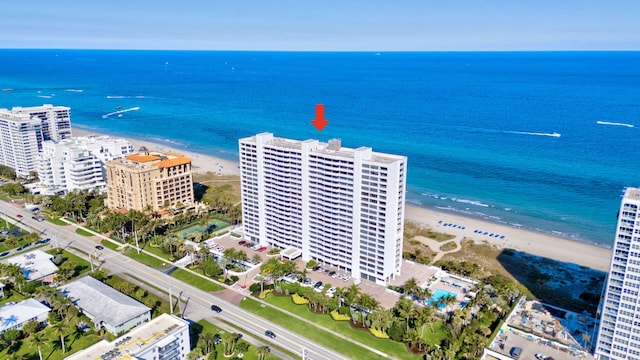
198 302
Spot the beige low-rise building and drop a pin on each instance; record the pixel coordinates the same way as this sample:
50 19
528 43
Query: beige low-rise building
150 180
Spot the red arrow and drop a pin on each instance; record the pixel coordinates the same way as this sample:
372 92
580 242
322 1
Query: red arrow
320 122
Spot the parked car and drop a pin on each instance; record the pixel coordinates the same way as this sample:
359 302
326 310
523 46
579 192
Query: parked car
4 254
318 285
216 308
270 334
242 242
515 352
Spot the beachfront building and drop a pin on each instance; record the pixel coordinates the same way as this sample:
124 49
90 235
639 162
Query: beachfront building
22 131
20 136
340 206
77 163
165 337
56 120
105 306
150 180
619 330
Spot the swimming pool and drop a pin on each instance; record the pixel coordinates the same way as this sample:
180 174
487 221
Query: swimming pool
439 294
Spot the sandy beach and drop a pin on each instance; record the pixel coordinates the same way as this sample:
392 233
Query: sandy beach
527 241
200 163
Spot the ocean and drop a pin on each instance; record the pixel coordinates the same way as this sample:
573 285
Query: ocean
531 139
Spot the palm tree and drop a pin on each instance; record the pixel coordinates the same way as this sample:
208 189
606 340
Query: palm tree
262 352
404 307
352 294
208 339
424 316
447 301
226 342
38 340
410 286
412 338
60 329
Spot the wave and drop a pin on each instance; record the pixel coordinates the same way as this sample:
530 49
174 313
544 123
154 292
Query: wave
614 123
75 90
120 112
471 202
45 96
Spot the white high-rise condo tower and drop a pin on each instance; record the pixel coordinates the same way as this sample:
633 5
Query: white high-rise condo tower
619 331
341 207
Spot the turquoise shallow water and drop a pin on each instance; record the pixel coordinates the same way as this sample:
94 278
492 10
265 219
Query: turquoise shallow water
480 129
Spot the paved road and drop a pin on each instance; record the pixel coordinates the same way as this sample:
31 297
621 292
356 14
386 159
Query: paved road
198 301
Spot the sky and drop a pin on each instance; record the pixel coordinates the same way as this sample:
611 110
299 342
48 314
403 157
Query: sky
331 25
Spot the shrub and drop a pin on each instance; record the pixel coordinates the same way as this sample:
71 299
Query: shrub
379 334
299 300
273 251
264 294
397 330
234 278
340 317
344 310
311 264
254 288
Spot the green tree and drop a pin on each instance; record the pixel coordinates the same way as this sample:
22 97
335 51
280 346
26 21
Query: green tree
31 327
60 329
38 340
262 352
11 336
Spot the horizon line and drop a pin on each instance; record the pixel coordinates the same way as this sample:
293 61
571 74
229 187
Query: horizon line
335 51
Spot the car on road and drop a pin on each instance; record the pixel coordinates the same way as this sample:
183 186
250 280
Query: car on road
270 334
19 216
4 254
216 308
99 247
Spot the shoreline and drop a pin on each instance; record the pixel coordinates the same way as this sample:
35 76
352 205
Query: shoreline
540 244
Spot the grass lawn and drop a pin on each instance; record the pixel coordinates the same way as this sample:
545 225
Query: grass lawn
331 341
203 327
57 221
397 350
19 243
439 333
15 296
156 251
82 265
145 259
83 232
109 244
195 280
52 348
159 305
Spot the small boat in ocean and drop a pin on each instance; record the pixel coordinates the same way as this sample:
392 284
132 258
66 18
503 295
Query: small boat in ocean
7 89
555 134
118 107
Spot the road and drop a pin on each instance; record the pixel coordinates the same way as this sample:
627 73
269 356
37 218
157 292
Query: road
198 301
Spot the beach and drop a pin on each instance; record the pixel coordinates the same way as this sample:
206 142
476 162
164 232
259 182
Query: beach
199 162
534 243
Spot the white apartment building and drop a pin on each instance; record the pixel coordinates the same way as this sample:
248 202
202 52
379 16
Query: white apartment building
619 330
56 120
78 163
165 337
20 138
23 129
342 207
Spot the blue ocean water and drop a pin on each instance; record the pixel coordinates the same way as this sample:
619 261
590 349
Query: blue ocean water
480 129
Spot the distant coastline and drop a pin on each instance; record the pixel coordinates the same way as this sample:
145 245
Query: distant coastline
531 242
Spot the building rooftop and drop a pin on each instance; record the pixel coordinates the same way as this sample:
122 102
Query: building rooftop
35 264
102 301
134 342
632 193
159 159
12 314
8 115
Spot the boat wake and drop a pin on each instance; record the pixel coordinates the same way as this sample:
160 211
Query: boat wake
553 134
120 112
75 90
614 124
